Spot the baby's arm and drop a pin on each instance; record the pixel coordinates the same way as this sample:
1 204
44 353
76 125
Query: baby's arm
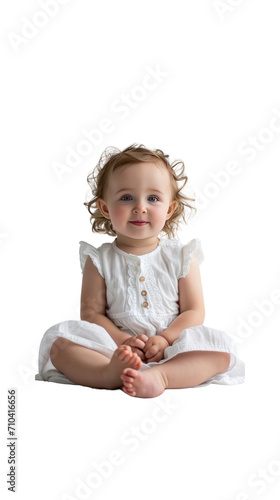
93 302
191 302
93 309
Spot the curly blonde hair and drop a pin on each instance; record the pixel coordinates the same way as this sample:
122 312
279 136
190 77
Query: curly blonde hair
113 158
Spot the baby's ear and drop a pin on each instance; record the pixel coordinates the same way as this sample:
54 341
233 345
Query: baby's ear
171 209
103 208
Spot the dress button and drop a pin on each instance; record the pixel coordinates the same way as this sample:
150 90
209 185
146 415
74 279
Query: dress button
145 304
142 278
138 262
144 293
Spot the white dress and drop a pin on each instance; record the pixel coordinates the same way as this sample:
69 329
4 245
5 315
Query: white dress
142 297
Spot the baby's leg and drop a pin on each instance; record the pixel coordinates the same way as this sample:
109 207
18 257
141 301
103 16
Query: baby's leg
187 369
90 368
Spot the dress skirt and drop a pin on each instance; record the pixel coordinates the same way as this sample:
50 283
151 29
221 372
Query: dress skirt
196 338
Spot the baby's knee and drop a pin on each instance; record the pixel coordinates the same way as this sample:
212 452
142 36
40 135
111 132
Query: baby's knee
223 361
58 349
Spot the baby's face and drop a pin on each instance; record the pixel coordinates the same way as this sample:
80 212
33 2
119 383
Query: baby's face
138 192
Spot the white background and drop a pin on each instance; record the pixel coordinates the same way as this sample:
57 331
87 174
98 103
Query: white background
219 86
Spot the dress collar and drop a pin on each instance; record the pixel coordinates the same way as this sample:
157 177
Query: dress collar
126 254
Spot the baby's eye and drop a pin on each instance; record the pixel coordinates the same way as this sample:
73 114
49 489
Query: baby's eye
154 198
124 198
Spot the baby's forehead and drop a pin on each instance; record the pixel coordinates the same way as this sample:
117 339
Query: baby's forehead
145 167
141 171
140 175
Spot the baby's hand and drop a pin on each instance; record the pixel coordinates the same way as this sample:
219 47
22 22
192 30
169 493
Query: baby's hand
155 347
137 345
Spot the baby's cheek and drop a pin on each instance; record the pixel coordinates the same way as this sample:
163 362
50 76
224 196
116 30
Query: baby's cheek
119 214
160 217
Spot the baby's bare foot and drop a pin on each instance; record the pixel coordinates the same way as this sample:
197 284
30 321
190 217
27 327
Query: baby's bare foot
147 384
123 357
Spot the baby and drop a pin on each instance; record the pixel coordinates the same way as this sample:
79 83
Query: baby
142 307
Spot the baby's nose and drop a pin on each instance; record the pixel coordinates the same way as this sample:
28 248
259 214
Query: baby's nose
139 209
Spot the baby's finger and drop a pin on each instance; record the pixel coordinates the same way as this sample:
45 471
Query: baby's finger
140 353
155 358
143 337
151 352
148 345
138 343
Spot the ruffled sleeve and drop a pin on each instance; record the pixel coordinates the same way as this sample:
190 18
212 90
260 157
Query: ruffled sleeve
192 248
87 250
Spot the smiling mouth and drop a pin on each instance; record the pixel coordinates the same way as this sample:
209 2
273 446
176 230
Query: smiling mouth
138 222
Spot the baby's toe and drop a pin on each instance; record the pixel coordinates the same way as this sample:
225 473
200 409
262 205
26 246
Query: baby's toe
124 353
128 386
126 379
136 362
127 382
129 392
129 372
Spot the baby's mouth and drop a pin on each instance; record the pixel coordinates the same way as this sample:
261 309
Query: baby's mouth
138 222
